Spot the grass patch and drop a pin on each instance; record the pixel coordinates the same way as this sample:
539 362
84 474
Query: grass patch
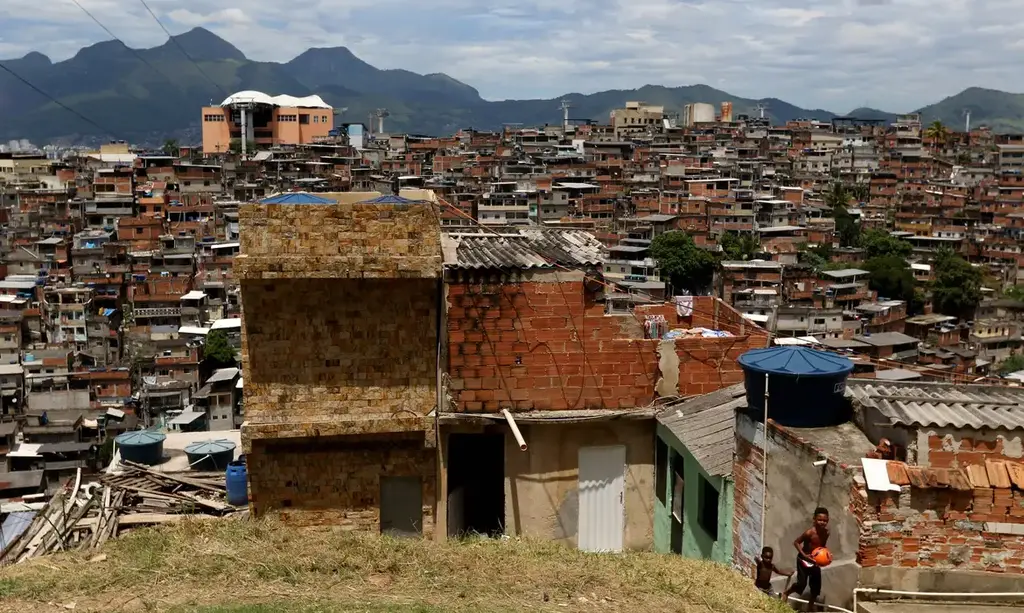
262 567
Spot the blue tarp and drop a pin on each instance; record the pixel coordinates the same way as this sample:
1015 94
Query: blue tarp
296 198
795 361
15 524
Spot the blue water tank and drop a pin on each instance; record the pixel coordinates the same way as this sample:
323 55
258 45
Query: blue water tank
237 485
806 387
141 446
210 455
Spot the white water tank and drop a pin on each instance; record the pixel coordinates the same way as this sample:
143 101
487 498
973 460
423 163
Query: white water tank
702 113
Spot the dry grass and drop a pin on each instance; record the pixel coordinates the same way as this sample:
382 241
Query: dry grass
260 567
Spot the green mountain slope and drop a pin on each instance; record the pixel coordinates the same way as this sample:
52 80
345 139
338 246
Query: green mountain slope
147 101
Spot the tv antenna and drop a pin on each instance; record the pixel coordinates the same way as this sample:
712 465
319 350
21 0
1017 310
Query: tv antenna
565 106
761 108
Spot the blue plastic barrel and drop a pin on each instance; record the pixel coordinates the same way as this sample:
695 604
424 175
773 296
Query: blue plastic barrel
238 493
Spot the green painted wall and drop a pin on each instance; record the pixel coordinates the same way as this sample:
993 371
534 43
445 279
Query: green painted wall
696 542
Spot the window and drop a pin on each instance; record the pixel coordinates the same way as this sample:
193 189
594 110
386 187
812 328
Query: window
678 486
316 119
661 469
304 118
707 513
323 119
138 230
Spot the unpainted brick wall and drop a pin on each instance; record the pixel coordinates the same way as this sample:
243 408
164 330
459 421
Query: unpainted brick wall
336 481
959 451
338 241
548 345
339 350
980 530
748 488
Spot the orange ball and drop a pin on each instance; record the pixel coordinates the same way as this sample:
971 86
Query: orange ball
821 556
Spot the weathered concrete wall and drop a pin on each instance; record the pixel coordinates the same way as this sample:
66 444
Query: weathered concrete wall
542 483
940 580
338 241
337 480
543 343
697 542
795 488
350 355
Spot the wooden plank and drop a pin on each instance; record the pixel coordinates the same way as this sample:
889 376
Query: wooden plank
194 483
978 476
997 475
145 519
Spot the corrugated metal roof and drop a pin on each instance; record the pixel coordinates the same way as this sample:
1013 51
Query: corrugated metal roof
942 404
523 248
296 198
706 425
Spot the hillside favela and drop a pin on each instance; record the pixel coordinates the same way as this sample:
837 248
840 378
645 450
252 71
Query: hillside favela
309 335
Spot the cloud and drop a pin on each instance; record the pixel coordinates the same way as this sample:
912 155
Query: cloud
835 54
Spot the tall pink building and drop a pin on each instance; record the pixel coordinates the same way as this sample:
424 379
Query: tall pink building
265 120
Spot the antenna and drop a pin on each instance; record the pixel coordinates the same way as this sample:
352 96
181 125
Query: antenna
967 123
380 114
761 108
566 105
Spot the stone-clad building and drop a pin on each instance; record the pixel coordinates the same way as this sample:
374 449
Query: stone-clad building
340 353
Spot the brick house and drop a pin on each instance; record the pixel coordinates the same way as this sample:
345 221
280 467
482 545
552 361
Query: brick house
340 359
528 331
915 526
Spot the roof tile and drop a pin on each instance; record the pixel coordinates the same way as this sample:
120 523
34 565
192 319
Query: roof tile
978 475
897 473
1016 472
958 480
917 477
997 475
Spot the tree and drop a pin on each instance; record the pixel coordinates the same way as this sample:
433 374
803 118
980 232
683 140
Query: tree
878 243
236 146
218 351
956 290
891 277
1015 292
739 246
837 197
687 266
1011 364
817 257
938 133
171 147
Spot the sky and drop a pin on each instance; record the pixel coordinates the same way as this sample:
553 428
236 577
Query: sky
896 55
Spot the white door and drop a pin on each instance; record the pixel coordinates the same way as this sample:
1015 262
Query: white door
601 489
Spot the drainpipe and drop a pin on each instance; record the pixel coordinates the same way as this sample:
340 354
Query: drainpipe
764 464
515 429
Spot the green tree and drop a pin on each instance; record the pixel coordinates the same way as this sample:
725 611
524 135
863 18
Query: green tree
171 147
218 351
938 133
837 197
878 243
956 290
1015 292
687 266
891 277
737 246
1011 364
236 146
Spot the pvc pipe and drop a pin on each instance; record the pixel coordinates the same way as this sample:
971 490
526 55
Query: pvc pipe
827 606
515 429
821 462
872 590
764 463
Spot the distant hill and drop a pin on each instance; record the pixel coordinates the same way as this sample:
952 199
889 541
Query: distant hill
107 83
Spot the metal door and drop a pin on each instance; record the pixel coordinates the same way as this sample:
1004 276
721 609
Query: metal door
601 490
401 506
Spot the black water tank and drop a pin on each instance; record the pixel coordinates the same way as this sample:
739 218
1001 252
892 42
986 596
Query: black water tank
806 387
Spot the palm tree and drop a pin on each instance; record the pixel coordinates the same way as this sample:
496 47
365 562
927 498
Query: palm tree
938 133
170 147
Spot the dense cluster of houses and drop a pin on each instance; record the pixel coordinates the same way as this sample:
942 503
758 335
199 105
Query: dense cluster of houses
468 334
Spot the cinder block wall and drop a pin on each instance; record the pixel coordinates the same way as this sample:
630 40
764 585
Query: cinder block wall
336 351
335 480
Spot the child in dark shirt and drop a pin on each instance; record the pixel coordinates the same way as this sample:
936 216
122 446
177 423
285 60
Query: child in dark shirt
764 567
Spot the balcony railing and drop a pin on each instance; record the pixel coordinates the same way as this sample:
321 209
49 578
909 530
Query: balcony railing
157 312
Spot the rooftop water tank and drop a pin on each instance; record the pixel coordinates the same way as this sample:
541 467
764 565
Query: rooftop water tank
210 455
806 387
141 446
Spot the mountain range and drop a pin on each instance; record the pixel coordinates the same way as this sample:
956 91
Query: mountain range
146 95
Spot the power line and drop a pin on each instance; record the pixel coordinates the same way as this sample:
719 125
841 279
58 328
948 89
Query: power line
182 49
57 102
115 37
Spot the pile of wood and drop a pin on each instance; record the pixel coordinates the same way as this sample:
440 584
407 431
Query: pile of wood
85 515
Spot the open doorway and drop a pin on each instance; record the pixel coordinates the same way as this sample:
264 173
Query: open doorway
476 484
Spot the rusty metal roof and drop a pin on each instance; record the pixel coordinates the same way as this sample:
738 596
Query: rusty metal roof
522 248
941 404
